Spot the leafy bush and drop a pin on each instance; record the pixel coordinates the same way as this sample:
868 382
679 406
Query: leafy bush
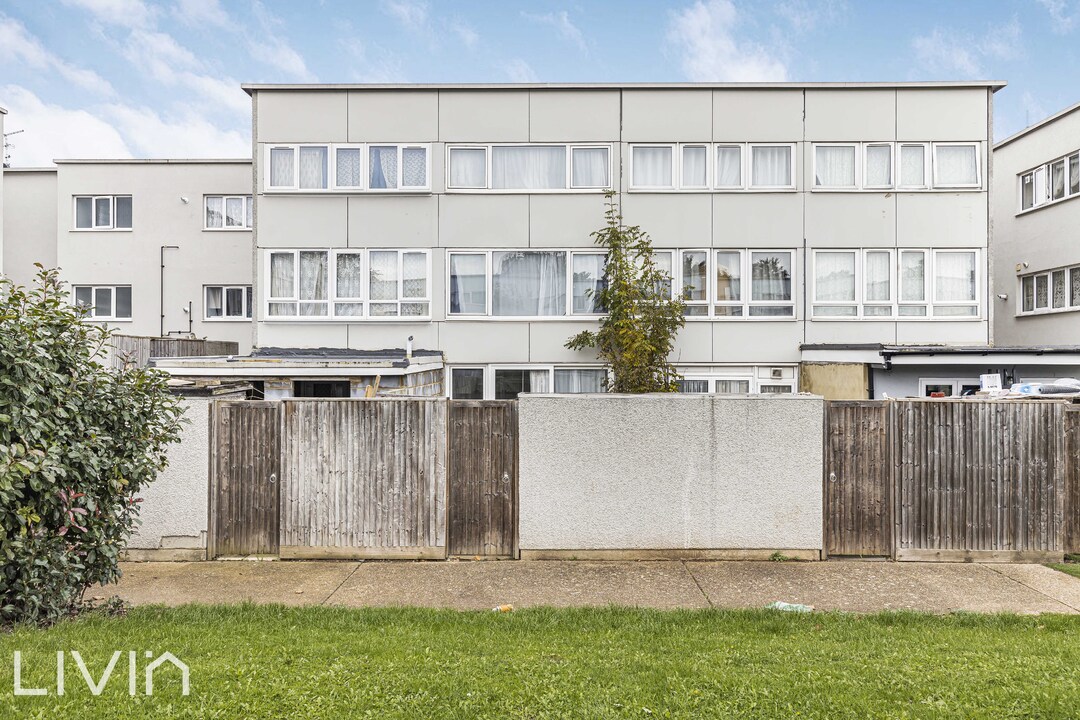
77 444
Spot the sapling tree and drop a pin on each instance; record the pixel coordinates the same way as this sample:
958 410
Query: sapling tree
642 320
78 442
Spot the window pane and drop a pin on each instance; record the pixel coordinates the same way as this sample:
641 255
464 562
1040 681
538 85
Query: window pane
249 212
528 283
1040 186
588 280
877 271
508 383
775 389
350 276
1042 299
695 387
214 308
729 166
771 276
1074 174
102 212
123 212
123 303
282 274
282 309
580 380
84 212
313 282
102 302
912 277
834 277
652 167
589 167
282 167
879 166
954 276
528 168
468 285
694 173
834 166
414 167
234 302
771 166
956 165
731 387
215 217
1027 191
247 301
468 167
383 278
1057 180
84 296
728 276
467 383
1074 287
1028 291
313 168
383 167
414 275
234 212
347 167
1058 282
694 275
913 165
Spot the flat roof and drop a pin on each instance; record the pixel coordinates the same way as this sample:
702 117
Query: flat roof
1042 123
995 85
155 161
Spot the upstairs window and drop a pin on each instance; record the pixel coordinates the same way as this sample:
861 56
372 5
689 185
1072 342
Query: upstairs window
348 167
528 168
834 166
772 167
1050 291
737 283
525 283
956 165
228 212
1056 180
102 212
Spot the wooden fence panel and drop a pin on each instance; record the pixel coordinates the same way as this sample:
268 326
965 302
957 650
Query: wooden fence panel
858 511
244 471
364 478
482 507
1071 531
978 480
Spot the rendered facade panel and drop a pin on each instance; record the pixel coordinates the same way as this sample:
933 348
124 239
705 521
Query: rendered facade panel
868 220
482 117
302 117
851 115
294 221
393 116
30 227
938 115
484 221
393 221
574 116
776 115
667 116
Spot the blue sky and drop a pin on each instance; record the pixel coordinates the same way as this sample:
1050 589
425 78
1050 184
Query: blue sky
118 78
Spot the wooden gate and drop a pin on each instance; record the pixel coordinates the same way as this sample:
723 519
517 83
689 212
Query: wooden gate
245 442
858 508
483 478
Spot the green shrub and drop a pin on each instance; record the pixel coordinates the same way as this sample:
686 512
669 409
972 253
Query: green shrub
78 442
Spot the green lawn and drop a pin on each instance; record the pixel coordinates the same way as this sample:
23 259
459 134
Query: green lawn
274 662
1072 568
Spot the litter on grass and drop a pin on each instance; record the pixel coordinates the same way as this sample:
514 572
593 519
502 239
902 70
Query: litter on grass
789 607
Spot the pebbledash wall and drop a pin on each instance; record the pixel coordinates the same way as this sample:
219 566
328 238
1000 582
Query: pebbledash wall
737 476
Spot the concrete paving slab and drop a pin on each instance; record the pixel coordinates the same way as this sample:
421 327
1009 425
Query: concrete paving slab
167 583
870 587
1053 583
484 585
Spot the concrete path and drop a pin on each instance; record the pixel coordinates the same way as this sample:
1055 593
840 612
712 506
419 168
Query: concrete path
850 586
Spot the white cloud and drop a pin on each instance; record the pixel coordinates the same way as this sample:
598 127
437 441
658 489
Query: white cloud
705 35
201 13
17 45
372 65
468 36
268 47
125 13
519 71
1062 14
561 22
952 53
413 14
187 135
807 15
55 132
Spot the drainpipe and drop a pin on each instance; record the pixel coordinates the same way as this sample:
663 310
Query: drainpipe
161 286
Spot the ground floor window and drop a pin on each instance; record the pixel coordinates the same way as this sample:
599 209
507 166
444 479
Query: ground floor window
948 387
506 382
321 389
738 380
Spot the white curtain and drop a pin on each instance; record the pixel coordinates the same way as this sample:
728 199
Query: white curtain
1057 179
281 167
733 386
528 283
383 275
834 166
313 168
413 275
954 277
956 164
383 169
580 380
347 168
234 212
528 167
1058 281
468 168
538 381
588 269
834 277
214 307
313 282
728 276
102 212
912 277
878 166
350 276
214 212
589 167
468 284
652 167
912 165
694 386
282 274
694 173
414 167
772 165
876 272
728 166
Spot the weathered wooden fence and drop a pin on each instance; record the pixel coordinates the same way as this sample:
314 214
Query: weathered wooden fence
136 351
951 480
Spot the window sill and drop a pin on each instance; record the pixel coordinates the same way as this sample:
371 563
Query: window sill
537 191
1049 203
523 318
101 230
906 318
341 321
1048 311
228 320
227 230
338 192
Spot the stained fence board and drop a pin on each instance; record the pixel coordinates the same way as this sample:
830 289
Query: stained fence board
482 505
364 478
244 470
858 519
1072 480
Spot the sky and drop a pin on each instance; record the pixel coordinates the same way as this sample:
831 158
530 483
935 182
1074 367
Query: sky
161 78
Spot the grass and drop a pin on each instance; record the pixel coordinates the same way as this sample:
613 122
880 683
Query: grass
271 662
1070 566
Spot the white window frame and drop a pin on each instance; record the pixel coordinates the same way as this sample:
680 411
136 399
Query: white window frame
892 165
750 374
94 227
857 280
715 183
248 309
710 150
248 205
746 300
568 179
401 186
1049 309
332 296
898 157
675 168
751 187
331 179
978 166
90 317
363 167
954 383
977 303
1045 173
856 161
490 370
